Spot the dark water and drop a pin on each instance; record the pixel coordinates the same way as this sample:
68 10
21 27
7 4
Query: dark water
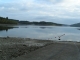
43 32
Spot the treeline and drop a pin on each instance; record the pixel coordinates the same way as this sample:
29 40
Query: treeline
7 21
39 23
13 21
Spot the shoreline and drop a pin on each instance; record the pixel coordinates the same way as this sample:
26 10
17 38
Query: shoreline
12 47
30 39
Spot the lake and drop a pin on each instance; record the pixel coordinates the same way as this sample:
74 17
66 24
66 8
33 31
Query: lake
43 32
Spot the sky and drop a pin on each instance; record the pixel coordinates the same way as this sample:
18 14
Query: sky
59 11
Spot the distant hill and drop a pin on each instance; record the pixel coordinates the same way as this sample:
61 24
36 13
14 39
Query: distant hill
39 23
6 20
76 25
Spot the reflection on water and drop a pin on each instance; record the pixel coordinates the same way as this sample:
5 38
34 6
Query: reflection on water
44 32
5 28
45 27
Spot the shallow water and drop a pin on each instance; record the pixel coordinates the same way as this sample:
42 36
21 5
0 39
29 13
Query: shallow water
43 32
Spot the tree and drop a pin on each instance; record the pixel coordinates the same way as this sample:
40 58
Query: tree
6 18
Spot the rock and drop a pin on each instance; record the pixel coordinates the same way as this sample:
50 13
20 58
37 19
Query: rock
0 50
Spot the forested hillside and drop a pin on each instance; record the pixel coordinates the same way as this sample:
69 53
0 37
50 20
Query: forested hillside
39 23
13 21
7 21
76 25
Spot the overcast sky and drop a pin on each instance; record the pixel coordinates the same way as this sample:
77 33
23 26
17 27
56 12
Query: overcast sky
60 11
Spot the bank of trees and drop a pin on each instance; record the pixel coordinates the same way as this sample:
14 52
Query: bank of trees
42 23
39 23
7 21
13 21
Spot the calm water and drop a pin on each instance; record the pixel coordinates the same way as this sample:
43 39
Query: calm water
43 32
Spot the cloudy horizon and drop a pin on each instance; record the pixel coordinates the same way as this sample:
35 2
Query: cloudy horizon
59 11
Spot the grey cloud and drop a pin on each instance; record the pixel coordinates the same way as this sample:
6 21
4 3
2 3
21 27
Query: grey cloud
16 6
38 12
50 1
55 1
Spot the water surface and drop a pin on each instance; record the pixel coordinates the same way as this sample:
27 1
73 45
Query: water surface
43 32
